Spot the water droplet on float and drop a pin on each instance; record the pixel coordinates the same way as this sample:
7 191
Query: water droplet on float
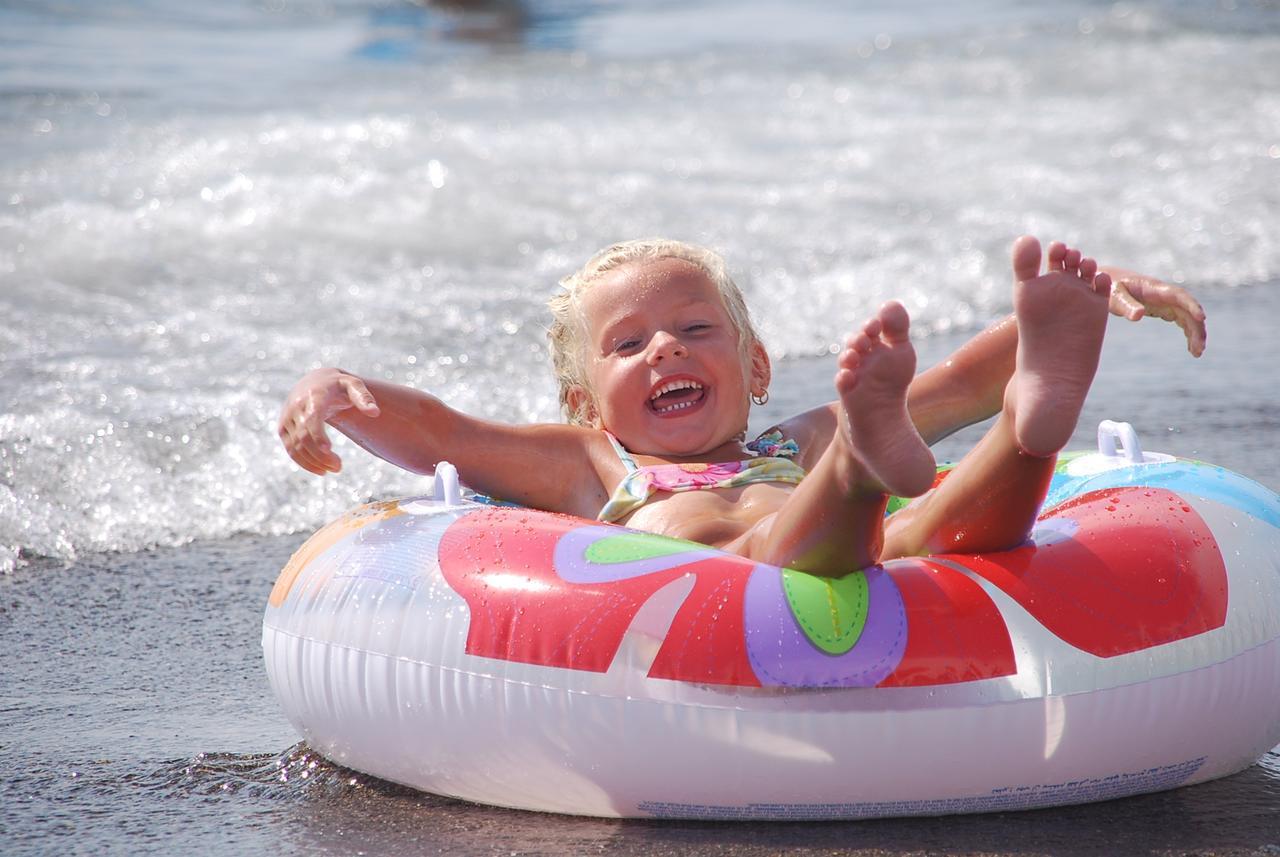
1111 508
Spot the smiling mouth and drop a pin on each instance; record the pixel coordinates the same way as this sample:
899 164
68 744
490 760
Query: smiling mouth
675 396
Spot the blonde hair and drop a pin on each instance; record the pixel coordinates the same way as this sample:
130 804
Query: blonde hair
568 329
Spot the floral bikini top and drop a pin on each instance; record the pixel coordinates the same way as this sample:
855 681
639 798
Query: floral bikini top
772 464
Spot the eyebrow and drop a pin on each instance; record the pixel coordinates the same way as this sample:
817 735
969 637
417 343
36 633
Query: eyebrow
610 326
611 331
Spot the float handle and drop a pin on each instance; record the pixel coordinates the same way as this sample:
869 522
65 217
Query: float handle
445 488
1109 432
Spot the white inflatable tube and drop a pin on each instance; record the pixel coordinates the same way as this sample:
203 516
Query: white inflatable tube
521 659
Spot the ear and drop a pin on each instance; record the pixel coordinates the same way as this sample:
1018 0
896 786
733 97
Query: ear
580 401
761 370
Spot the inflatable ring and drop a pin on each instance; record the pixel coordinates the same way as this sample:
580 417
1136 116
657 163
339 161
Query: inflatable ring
527 659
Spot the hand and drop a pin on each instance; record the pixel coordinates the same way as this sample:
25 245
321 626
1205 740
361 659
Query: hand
1135 295
312 402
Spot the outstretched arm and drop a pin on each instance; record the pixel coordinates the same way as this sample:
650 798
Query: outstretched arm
544 466
968 386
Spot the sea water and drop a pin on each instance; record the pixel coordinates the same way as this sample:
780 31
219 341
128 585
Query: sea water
201 201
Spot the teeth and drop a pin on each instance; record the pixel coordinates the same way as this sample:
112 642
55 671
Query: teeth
675 385
671 386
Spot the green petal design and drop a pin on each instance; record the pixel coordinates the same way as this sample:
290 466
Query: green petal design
831 611
629 547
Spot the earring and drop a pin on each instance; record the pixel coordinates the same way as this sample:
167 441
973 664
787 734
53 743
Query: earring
760 399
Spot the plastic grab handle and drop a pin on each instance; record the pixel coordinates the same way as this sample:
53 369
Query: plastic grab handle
446 488
1109 432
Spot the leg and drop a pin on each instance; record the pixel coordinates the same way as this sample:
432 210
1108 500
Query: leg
991 499
833 522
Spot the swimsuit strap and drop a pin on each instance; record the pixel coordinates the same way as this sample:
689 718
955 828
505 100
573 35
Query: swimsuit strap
632 490
627 461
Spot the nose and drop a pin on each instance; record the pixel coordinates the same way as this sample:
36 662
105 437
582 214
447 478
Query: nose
665 345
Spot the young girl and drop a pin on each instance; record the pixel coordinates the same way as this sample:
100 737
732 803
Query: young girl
658 364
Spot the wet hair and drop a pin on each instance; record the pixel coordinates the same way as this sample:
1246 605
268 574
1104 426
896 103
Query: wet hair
568 331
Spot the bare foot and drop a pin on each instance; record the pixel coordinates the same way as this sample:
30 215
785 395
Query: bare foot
1062 316
875 368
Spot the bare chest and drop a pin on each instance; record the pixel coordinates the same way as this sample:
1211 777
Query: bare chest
713 517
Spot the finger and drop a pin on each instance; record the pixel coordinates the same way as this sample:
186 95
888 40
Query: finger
1125 304
330 462
1194 329
294 438
360 396
305 460
315 438
310 465
1175 304
315 442
322 458
288 418
1156 293
1190 305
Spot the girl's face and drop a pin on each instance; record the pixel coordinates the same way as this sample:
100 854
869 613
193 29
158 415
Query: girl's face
665 371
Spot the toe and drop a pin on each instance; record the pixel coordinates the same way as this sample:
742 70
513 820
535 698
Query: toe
1026 258
1071 262
872 328
897 322
1057 252
849 358
846 380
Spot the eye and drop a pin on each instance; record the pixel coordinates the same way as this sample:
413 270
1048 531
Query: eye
626 345
697 327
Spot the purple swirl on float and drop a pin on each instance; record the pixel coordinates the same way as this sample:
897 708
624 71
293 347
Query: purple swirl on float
782 655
